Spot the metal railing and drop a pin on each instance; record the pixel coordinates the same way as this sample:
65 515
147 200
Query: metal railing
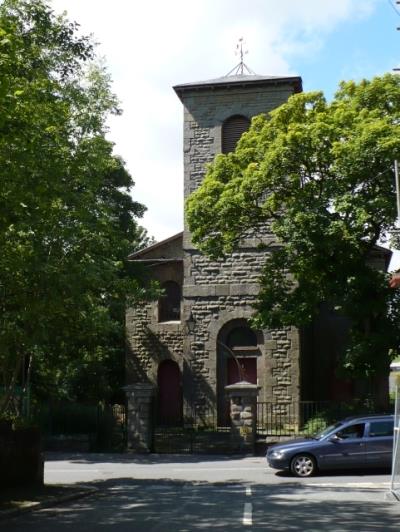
104 426
306 417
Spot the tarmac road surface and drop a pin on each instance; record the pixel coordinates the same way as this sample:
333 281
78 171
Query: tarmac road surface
192 493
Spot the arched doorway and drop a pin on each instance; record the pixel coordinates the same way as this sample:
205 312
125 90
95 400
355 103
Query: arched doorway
169 393
237 355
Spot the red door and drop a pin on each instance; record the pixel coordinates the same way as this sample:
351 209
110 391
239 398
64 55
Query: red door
249 370
169 393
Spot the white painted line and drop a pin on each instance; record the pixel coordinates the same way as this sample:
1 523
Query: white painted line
233 468
348 485
248 514
123 488
46 470
133 505
248 491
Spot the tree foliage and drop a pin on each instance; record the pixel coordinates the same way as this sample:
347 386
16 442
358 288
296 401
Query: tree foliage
67 220
320 175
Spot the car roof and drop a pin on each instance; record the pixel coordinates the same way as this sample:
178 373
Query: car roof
367 417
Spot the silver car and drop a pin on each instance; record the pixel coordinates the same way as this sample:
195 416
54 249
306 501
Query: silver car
357 442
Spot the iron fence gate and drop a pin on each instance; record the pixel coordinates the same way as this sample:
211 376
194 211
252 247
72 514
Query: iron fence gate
82 427
197 433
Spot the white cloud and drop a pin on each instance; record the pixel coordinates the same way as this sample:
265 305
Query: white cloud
151 46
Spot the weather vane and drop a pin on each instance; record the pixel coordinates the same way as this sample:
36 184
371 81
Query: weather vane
239 69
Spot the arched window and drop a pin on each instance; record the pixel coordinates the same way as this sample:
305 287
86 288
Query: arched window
232 129
169 304
242 337
242 341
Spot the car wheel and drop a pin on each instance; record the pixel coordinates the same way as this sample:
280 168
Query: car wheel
303 465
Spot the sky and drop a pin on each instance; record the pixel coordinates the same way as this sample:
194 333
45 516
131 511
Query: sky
150 46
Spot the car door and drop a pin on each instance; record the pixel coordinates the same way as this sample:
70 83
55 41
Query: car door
379 443
345 448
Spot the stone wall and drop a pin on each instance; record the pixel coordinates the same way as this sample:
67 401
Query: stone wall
204 114
277 360
21 457
150 342
241 267
139 417
282 366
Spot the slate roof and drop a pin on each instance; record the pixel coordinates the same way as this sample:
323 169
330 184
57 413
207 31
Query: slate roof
239 80
170 249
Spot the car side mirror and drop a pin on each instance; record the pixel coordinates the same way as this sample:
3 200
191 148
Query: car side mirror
334 438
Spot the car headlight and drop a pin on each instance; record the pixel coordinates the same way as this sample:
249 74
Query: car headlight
277 454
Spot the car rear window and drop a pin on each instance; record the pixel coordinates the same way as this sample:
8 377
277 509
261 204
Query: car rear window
380 428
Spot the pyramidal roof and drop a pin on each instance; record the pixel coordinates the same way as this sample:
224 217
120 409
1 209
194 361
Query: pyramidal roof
239 80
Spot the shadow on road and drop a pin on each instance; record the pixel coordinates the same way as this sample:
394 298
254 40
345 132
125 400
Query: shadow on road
174 506
340 473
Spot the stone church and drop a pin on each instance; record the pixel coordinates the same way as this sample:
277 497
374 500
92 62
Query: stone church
196 339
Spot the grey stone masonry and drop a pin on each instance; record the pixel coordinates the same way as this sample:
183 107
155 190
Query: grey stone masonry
150 342
204 115
243 267
243 404
139 399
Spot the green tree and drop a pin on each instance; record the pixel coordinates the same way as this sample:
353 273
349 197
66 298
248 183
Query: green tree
320 175
67 220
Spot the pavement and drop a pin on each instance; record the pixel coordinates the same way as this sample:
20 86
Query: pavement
24 504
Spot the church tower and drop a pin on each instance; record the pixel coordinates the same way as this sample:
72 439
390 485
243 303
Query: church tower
218 295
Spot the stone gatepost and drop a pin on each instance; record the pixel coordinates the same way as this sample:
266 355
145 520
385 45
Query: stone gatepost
139 416
243 412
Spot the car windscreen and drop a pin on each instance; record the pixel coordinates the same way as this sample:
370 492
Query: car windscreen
327 431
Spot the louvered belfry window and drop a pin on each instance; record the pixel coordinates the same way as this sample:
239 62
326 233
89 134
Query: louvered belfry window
232 130
170 302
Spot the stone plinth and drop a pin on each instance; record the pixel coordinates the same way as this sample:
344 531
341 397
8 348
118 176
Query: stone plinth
139 418
243 413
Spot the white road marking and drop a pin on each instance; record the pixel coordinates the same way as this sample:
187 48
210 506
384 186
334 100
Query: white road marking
348 484
71 470
133 505
248 514
233 468
123 488
248 491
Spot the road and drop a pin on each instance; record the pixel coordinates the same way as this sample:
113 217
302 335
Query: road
171 493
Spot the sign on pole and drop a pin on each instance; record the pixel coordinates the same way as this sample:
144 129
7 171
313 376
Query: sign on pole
395 478
396 175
